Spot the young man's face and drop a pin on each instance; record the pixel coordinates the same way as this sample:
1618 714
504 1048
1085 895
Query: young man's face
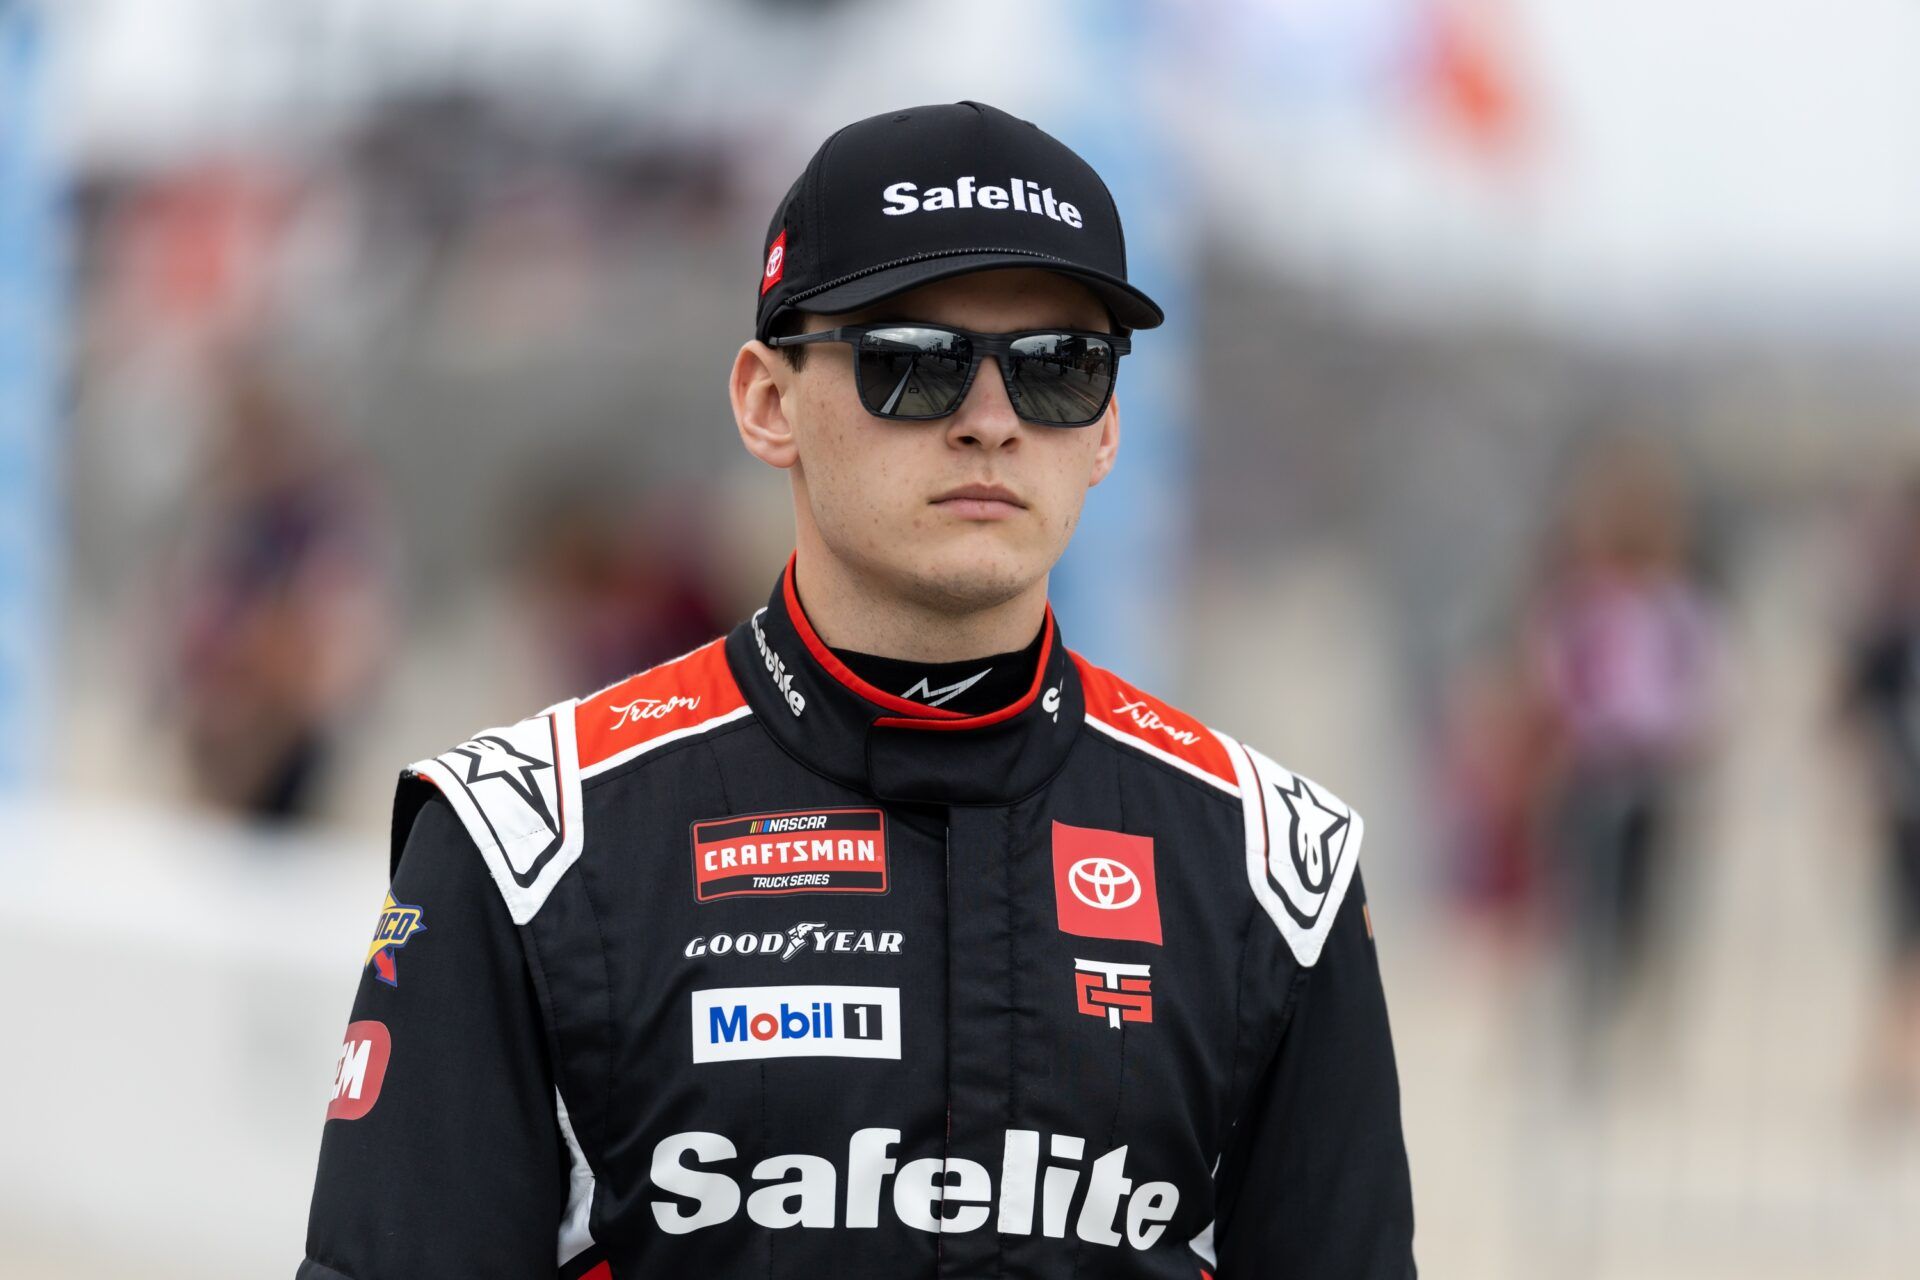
957 513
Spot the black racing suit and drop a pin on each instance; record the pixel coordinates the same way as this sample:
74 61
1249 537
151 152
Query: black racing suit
743 967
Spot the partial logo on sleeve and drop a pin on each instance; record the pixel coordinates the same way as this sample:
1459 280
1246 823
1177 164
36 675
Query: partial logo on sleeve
1103 884
800 851
360 1070
399 922
733 1024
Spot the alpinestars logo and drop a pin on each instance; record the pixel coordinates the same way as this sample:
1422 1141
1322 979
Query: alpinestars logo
933 697
777 668
1117 992
943 1194
491 756
1318 830
512 777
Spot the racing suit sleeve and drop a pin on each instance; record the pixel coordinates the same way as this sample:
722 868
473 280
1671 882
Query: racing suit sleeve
1315 1184
441 1156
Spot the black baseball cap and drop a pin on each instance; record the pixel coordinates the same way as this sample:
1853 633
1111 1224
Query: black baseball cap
907 197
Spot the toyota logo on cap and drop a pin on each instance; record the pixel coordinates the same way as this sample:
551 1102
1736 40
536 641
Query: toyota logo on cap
1104 883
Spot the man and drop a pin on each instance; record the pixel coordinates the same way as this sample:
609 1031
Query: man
1882 698
885 936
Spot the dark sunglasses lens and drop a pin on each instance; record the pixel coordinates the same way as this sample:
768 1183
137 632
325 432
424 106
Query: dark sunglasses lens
910 372
1062 378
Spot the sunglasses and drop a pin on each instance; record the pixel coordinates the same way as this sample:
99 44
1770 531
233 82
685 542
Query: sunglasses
912 372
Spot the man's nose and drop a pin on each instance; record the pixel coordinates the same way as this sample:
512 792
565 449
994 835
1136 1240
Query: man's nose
985 419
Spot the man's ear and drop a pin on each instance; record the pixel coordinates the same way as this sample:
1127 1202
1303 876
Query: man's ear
757 388
1109 447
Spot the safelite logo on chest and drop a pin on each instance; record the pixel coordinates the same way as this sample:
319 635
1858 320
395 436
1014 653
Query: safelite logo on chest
798 851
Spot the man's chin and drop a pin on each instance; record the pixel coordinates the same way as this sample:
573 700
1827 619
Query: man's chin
969 578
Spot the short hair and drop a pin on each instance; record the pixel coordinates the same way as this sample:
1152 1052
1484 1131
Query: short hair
788 323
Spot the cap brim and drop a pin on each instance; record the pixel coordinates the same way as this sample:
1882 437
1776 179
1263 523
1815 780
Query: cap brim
1130 307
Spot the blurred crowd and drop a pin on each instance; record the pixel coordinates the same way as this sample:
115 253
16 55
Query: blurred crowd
1567 741
1880 696
303 394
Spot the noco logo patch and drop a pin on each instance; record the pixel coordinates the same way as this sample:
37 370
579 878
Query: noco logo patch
799 851
1103 884
732 1024
399 923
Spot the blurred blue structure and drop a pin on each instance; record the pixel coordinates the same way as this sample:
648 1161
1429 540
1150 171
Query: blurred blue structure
1121 588
33 276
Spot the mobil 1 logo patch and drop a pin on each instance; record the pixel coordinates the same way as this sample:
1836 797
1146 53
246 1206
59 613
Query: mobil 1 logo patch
735 1024
795 851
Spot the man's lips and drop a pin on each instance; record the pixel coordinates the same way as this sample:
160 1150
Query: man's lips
980 501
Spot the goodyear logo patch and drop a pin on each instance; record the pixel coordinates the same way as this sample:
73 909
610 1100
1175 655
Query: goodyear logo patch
399 922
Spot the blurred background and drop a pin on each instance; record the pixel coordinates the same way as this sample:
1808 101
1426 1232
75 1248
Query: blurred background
1533 456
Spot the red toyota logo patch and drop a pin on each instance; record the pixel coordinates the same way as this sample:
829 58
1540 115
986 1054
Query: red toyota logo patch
1103 884
776 262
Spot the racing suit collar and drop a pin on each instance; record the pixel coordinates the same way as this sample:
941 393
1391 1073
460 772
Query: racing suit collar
889 747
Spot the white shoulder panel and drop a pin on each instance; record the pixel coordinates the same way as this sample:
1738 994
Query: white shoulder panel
517 790
1303 844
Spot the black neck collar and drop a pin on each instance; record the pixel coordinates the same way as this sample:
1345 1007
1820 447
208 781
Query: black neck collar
838 724
973 687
